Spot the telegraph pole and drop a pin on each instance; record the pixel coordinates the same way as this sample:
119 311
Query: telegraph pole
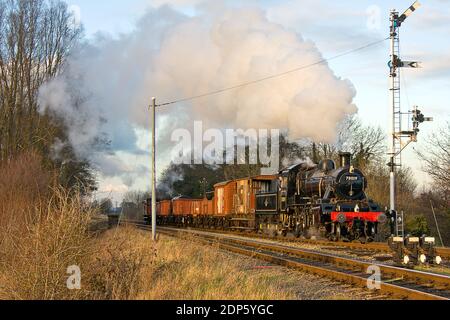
153 111
399 139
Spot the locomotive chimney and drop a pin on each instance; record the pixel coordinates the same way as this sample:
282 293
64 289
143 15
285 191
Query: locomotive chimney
346 159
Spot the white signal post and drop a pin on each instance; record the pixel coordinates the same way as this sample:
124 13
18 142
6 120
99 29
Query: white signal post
153 111
393 77
397 135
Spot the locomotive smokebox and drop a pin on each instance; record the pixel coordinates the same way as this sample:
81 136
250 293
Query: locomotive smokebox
345 159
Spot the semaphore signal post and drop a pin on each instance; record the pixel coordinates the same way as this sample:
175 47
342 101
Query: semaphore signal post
399 138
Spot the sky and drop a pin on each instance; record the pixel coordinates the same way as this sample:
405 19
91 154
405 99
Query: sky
335 27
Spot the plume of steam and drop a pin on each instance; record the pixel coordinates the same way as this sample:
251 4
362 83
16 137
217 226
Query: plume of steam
107 86
165 187
307 162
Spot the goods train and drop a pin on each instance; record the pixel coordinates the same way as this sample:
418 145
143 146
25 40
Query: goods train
309 200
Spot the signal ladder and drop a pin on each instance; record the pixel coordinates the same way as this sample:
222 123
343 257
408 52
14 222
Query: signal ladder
397 107
400 229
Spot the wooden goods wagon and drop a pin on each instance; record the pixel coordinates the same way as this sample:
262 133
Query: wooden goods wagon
164 208
158 209
224 198
181 206
148 208
207 207
196 208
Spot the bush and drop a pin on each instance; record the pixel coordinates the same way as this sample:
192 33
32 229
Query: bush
43 231
34 262
23 185
418 226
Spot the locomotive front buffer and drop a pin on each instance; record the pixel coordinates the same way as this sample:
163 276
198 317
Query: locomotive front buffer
414 251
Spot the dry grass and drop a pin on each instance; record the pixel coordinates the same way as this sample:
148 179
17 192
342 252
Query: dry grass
195 273
174 269
34 263
43 231
130 267
118 265
23 184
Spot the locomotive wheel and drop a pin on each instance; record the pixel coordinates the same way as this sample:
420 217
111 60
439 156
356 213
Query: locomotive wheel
274 233
298 232
308 235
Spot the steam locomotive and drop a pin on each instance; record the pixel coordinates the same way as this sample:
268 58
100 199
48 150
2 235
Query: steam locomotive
322 200
309 200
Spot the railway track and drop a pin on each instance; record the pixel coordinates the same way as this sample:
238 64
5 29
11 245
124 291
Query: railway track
396 282
444 253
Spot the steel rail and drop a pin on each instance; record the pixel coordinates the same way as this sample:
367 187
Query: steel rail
401 283
444 253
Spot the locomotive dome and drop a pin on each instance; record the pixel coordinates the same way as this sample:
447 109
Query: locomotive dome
327 165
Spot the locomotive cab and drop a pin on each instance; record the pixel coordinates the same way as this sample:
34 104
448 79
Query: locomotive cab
288 179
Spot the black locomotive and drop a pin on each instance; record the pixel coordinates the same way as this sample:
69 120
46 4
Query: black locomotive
321 200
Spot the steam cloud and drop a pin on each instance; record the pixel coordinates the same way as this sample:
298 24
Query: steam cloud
105 91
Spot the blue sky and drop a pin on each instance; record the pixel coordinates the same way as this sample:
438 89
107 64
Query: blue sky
335 27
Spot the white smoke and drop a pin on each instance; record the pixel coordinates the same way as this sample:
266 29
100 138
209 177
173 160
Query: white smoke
105 92
307 162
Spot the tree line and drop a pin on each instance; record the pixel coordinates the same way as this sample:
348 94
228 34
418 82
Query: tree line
36 38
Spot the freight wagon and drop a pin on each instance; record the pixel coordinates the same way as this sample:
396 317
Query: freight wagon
232 206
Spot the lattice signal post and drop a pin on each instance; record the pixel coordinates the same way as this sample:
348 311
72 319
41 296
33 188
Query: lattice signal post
399 138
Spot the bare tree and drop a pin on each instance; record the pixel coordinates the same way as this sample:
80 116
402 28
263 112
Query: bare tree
365 143
136 197
436 160
377 175
36 36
